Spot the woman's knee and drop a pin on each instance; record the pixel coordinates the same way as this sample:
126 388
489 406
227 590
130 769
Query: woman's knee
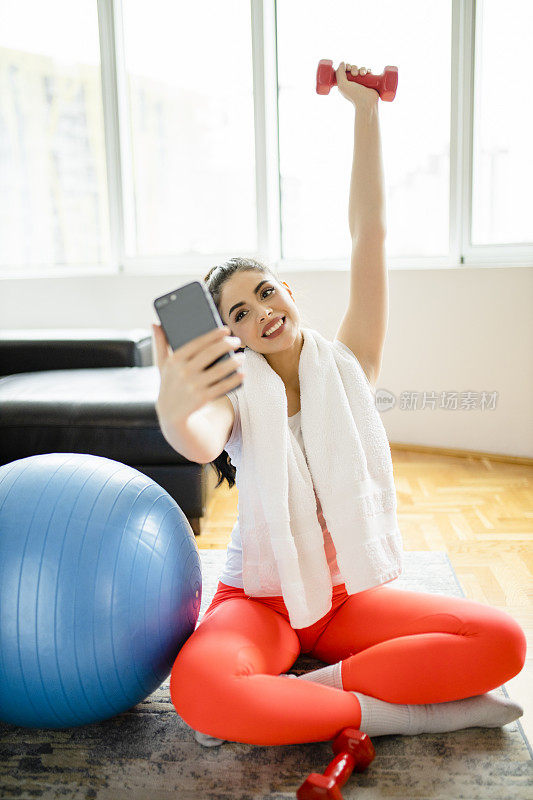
515 644
220 652
198 675
506 642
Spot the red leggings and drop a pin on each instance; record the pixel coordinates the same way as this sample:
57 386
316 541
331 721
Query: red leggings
396 645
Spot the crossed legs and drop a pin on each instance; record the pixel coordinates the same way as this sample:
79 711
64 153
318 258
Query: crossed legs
398 646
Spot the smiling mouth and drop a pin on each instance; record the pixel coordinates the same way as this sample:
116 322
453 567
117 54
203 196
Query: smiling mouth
264 335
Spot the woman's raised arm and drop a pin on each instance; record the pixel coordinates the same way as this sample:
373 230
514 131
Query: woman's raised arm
364 326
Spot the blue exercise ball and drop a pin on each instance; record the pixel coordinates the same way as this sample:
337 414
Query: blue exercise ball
100 587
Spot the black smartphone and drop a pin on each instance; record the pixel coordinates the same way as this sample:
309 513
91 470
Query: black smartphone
189 312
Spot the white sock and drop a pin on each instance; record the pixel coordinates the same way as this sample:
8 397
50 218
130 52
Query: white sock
206 740
328 676
379 718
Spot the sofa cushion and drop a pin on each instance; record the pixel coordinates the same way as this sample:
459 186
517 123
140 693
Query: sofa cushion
79 348
108 412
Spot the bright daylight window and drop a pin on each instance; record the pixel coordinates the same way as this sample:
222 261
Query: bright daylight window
415 127
187 124
53 184
189 69
502 205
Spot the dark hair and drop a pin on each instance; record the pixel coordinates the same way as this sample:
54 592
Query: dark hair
214 281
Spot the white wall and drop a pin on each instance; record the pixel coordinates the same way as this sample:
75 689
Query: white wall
467 329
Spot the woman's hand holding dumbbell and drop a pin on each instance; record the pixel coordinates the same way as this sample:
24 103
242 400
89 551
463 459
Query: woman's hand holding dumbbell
357 94
359 85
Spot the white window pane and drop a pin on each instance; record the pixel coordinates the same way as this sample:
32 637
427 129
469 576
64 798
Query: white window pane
502 204
189 68
53 184
317 131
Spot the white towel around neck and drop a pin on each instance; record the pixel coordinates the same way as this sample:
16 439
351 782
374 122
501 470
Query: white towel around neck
348 462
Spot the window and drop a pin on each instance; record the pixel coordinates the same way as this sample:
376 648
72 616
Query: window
189 78
196 133
502 205
415 127
53 185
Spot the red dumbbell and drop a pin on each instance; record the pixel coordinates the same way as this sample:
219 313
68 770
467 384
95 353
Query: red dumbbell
354 751
385 84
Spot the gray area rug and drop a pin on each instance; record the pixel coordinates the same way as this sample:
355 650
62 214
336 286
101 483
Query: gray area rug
150 752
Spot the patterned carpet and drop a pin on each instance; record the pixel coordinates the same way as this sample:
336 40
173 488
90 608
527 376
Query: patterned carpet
149 752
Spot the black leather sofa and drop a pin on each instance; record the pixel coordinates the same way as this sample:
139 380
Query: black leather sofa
93 391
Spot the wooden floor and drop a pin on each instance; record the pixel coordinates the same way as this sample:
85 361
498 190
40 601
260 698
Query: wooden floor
479 510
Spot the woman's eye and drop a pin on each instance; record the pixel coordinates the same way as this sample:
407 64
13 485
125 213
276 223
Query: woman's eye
271 289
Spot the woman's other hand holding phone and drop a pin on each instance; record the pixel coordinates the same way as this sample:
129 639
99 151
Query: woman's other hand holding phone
186 384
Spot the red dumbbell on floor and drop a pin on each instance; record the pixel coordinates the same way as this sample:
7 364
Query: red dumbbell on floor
354 751
385 84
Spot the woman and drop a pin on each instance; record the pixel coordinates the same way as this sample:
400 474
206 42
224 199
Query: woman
399 662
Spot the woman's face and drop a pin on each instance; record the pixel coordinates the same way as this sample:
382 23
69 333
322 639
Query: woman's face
251 300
